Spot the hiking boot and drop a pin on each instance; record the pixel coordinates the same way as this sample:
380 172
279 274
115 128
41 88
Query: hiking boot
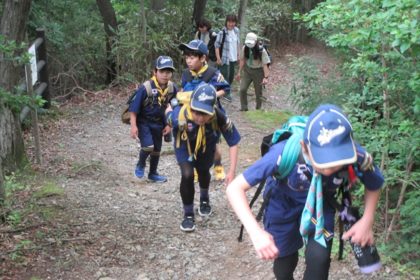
205 209
219 173
154 177
139 172
188 224
195 176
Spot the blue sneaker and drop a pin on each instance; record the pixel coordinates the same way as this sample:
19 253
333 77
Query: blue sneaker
154 177
139 172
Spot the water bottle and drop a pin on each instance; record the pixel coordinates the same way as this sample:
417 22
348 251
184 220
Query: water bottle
367 257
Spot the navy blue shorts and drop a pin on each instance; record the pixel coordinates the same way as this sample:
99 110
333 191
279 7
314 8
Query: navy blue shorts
203 161
150 135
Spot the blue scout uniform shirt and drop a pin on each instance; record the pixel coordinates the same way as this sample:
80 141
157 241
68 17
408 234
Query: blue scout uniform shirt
225 126
154 112
288 196
218 81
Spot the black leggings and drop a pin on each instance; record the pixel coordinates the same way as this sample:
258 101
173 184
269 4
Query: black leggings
317 259
187 181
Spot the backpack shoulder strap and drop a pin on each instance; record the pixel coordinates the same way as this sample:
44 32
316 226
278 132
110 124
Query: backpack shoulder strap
208 74
148 85
170 87
187 74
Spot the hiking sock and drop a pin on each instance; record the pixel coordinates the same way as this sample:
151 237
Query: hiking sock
188 210
204 194
142 158
154 161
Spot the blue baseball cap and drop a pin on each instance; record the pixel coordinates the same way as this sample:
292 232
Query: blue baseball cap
195 45
328 136
164 62
203 99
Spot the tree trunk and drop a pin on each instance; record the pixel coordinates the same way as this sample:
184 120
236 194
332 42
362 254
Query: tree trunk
199 8
241 12
12 27
143 24
111 27
243 4
158 5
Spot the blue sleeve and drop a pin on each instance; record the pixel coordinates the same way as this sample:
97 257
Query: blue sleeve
265 166
219 82
371 177
172 117
228 129
183 79
136 104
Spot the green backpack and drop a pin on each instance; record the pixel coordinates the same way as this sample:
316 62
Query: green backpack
293 131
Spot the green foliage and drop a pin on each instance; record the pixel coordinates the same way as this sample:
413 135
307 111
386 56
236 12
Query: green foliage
315 83
13 52
267 119
17 101
49 189
75 41
380 44
270 19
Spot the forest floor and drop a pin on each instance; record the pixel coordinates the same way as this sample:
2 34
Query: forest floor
107 224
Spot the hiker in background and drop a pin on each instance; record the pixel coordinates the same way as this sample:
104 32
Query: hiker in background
147 116
227 47
196 127
208 36
329 157
253 67
198 71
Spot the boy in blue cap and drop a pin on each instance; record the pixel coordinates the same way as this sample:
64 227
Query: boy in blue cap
329 158
198 71
147 116
196 127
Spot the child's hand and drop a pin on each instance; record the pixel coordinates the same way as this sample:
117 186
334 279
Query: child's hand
166 130
360 233
134 132
264 245
229 178
238 77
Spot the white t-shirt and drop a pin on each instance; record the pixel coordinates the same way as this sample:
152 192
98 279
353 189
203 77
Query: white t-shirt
233 45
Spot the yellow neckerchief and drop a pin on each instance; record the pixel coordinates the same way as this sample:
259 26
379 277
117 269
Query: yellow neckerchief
162 92
201 71
185 112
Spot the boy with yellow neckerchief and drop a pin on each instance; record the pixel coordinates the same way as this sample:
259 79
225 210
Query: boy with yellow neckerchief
196 127
147 116
198 71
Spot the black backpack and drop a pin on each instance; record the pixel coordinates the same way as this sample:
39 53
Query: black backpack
264 46
210 45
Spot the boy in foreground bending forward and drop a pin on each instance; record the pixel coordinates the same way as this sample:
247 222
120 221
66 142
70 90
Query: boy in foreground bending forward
328 155
196 128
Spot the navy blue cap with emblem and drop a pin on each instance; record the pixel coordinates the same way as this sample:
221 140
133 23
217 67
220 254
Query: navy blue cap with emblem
328 136
203 99
164 62
195 45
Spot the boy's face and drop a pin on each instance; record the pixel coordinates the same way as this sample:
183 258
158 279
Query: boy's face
200 118
230 24
163 76
195 63
324 171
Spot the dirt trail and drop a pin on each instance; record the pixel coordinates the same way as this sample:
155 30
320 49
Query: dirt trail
115 226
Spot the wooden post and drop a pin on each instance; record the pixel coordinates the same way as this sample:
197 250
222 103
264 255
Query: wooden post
34 114
43 74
